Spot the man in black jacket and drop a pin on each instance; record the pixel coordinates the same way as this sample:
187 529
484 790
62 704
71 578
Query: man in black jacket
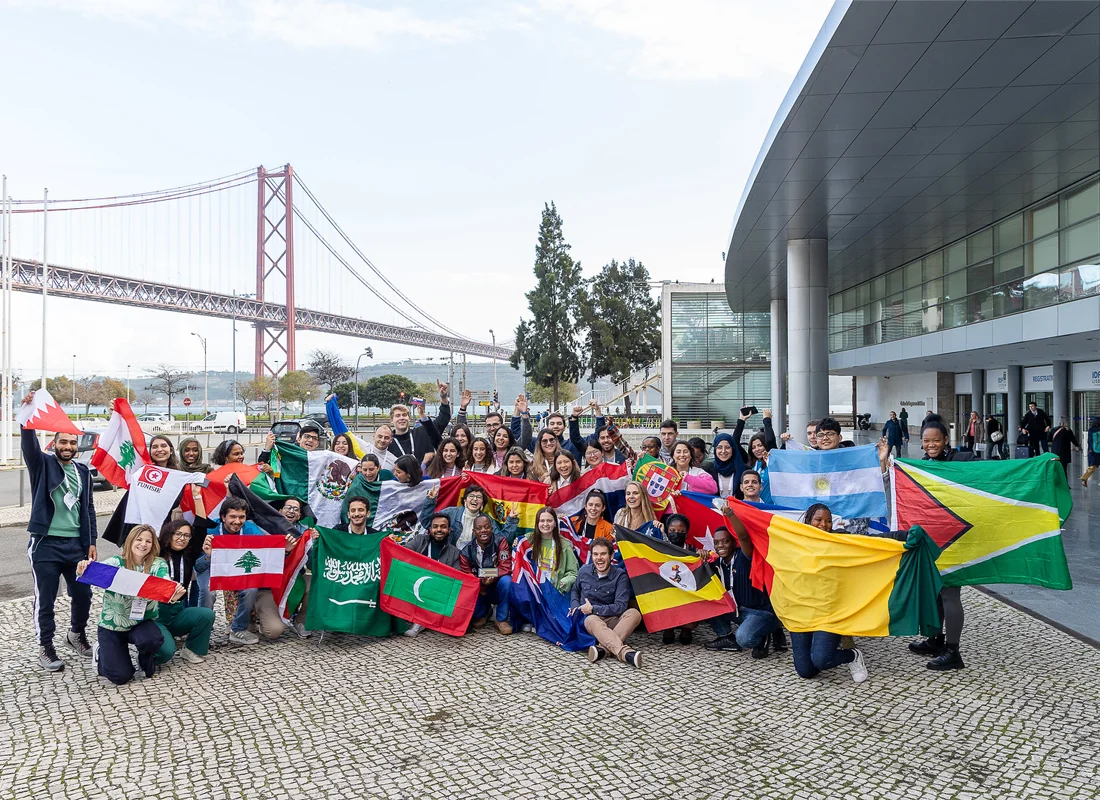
63 533
1036 424
425 436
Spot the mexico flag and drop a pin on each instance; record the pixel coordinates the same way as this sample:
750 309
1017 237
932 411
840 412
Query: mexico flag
425 592
121 448
317 477
247 562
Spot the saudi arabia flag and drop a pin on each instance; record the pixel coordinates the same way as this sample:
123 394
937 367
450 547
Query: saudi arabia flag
425 592
319 477
343 594
994 521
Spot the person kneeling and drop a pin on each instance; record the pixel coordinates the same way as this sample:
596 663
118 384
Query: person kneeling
602 592
755 620
127 620
489 557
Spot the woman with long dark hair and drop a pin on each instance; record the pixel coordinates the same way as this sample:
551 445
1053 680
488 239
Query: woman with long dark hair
163 452
449 460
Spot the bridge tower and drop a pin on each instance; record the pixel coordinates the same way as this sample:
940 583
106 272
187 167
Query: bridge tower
275 352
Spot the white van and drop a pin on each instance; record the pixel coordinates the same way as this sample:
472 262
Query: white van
222 422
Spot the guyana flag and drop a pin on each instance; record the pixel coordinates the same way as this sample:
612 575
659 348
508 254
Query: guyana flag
995 521
529 496
673 586
425 592
838 582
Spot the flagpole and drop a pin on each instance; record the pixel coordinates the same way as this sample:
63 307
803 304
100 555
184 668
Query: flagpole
45 277
5 435
9 383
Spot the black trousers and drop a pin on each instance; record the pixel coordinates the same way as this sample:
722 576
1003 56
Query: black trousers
114 651
53 558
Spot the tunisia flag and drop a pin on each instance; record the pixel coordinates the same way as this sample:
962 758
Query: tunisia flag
43 413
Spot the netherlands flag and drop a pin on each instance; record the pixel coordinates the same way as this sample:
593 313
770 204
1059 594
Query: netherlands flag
247 562
611 479
129 582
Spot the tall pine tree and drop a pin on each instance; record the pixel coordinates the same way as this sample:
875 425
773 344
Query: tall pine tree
620 321
546 344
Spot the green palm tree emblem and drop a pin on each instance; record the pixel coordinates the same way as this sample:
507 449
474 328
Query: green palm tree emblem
248 562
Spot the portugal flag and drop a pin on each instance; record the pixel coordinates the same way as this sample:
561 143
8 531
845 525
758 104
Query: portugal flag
425 592
995 521
673 587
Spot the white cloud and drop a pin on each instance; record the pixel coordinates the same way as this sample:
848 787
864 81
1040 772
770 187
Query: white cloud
702 39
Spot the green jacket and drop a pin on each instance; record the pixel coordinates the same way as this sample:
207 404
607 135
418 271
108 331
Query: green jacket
115 615
565 575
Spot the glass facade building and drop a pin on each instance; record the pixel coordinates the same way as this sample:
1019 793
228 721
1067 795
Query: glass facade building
1046 254
718 360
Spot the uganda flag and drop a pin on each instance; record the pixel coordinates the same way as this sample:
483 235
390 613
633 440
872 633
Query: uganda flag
528 497
425 592
995 521
842 583
673 586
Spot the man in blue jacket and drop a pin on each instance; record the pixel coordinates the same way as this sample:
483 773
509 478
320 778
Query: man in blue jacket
602 593
63 533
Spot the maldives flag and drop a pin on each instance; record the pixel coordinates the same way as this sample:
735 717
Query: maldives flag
121 448
44 413
425 592
247 562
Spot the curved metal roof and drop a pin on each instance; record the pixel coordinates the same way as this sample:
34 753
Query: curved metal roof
912 124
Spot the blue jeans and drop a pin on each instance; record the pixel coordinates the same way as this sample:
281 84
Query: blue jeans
818 651
497 595
753 626
205 596
244 610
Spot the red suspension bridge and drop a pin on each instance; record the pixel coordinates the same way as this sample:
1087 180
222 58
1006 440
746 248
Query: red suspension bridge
189 249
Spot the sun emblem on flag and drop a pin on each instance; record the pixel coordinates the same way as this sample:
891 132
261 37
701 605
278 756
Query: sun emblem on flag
822 484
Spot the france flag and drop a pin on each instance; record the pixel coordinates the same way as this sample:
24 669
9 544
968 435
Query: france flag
848 480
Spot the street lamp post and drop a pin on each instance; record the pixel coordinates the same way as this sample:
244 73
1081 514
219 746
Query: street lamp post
496 399
205 377
127 383
74 382
235 295
369 353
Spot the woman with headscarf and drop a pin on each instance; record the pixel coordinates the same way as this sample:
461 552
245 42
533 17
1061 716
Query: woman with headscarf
728 465
191 456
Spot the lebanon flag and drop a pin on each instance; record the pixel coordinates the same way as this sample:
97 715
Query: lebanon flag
44 414
121 448
425 592
128 581
247 562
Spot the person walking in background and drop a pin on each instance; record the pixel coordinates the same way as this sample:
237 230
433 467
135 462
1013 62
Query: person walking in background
994 435
903 419
1092 445
972 428
1036 424
892 433
1062 442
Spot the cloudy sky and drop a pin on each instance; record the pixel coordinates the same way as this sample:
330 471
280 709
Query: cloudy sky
433 132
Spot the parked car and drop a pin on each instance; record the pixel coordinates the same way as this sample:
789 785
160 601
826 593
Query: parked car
154 416
320 418
287 431
156 422
85 446
222 422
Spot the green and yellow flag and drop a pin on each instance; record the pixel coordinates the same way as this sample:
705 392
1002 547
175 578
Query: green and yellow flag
994 521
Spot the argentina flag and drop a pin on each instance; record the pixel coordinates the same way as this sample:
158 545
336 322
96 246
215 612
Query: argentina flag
848 480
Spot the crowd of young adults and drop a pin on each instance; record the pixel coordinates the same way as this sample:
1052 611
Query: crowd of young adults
63 535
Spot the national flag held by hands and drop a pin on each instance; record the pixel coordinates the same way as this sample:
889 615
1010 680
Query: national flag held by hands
43 413
425 592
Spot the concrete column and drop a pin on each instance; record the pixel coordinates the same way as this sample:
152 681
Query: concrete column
807 331
1015 411
977 392
779 365
1062 394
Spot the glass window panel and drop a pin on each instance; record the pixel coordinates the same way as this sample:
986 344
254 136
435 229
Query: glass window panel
979 246
1009 266
933 266
834 303
725 344
850 299
933 291
864 293
932 319
912 299
954 257
895 282
913 323
877 310
836 343
980 306
719 311
1007 298
878 288
1081 242
1008 234
876 334
979 276
688 311
1081 204
912 275
956 285
1044 220
1040 290
690 345
954 314
1079 281
1041 255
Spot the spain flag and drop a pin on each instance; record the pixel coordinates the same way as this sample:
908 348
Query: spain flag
673 586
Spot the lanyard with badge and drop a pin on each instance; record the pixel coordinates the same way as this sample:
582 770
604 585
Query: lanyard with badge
137 606
72 487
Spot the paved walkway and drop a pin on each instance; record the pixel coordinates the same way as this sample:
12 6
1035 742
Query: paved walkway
488 716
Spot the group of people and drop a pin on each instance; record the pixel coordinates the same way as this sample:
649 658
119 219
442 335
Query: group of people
63 536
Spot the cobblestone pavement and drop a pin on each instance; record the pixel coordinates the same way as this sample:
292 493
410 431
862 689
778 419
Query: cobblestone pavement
490 716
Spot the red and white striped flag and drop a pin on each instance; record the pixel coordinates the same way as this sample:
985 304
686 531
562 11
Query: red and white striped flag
289 594
121 448
43 413
247 562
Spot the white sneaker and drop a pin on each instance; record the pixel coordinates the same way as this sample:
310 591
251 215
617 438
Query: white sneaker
95 655
190 656
243 637
858 666
527 628
300 629
414 630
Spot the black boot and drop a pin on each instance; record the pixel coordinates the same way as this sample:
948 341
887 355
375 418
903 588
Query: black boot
779 640
948 659
932 646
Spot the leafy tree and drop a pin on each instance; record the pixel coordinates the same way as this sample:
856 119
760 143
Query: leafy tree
91 392
297 387
383 391
427 390
620 321
345 394
248 562
260 389
113 388
60 387
545 394
547 344
328 368
169 382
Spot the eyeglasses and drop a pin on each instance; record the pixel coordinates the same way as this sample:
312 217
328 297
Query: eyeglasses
310 436
181 535
827 434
